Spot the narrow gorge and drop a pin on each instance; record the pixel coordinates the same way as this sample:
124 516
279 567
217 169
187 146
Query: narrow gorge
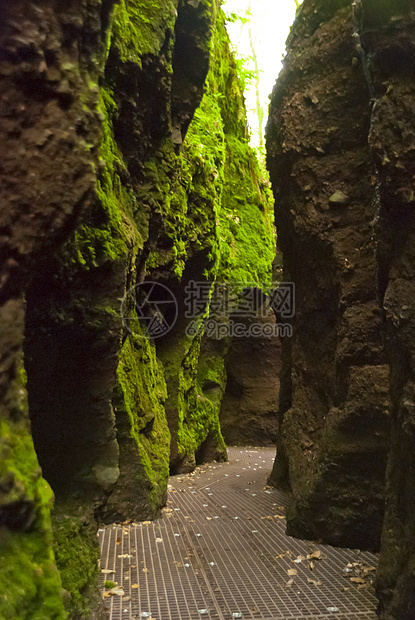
161 299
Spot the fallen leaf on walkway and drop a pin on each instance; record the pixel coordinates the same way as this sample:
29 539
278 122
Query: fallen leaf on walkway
315 555
145 570
208 518
282 555
299 559
135 586
311 565
146 522
125 555
292 571
118 590
357 580
315 582
118 541
289 583
107 571
159 540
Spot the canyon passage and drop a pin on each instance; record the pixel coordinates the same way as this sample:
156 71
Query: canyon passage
175 304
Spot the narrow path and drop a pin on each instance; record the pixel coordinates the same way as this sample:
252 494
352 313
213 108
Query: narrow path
220 552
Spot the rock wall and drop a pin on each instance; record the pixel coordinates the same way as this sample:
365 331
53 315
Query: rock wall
50 60
388 38
125 162
340 151
336 419
249 407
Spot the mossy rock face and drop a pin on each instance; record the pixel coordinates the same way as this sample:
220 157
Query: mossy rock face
146 173
142 433
77 555
30 582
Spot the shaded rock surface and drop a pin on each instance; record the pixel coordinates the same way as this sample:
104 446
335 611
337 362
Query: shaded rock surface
249 407
388 38
340 150
336 416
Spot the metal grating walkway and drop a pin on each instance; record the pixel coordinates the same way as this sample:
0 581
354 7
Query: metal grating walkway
220 552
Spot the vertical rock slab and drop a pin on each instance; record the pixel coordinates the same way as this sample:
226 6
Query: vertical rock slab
387 38
32 586
50 59
249 408
335 374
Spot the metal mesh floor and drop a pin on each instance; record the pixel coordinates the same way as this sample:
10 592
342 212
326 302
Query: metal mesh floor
220 551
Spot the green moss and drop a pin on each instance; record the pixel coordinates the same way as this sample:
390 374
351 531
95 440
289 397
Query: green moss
30 585
115 235
30 582
246 231
141 399
212 199
77 553
140 26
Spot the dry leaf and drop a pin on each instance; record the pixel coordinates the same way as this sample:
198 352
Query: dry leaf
107 571
118 590
145 570
316 555
357 580
135 586
315 582
118 541
292 571
289 583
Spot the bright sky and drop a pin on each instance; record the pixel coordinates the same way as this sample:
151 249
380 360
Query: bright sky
270 24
